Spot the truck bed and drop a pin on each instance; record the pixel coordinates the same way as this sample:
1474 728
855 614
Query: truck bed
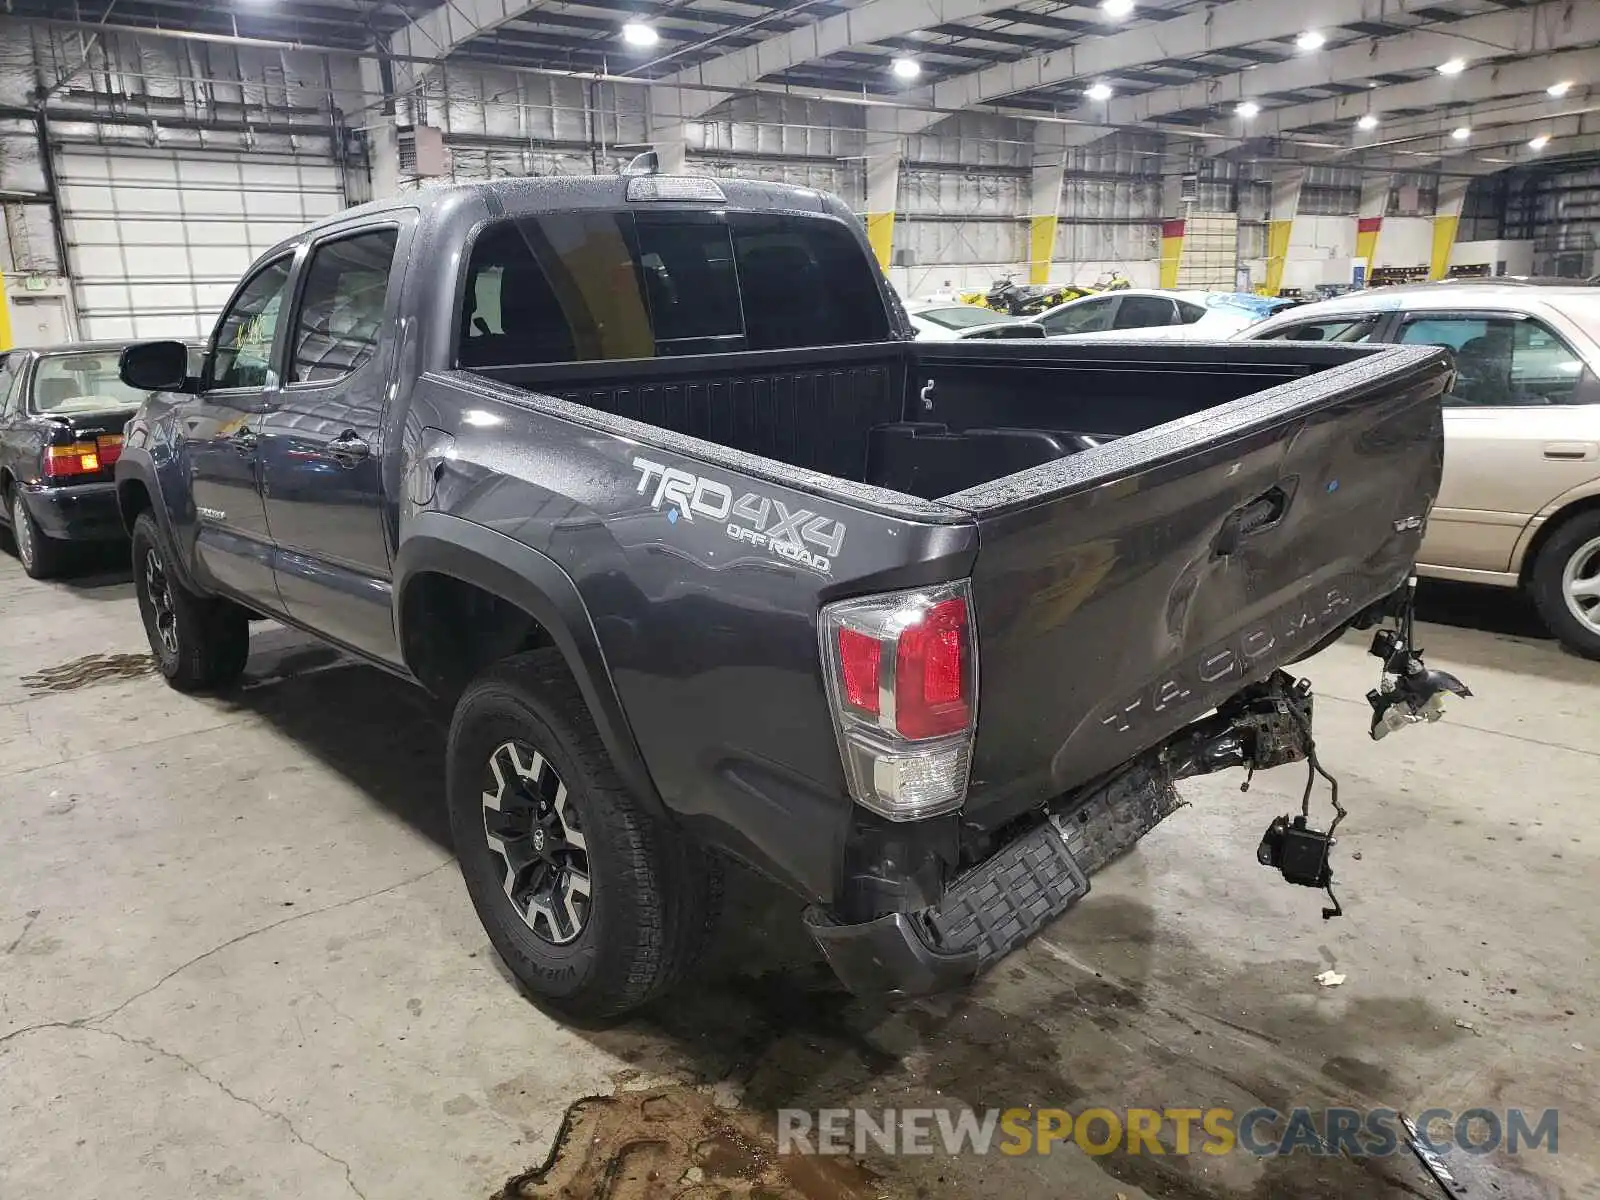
867 414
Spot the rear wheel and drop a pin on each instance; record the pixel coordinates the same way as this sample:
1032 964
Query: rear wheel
39 554
1566 583
199 643
596 905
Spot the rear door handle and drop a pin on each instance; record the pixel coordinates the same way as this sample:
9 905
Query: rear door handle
349 448
1572 451
244 440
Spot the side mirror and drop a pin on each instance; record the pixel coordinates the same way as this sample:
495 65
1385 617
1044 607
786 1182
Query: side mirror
155 366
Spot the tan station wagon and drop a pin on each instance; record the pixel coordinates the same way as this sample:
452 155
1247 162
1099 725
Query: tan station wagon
1520 501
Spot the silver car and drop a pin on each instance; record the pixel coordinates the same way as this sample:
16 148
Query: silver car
1520 501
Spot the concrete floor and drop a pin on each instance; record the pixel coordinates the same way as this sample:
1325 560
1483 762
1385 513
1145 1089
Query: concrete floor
236 959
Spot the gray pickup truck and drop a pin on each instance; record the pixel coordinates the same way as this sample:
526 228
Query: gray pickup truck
646 476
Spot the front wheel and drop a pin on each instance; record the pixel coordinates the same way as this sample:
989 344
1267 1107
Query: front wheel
595 904
1566 583
199 643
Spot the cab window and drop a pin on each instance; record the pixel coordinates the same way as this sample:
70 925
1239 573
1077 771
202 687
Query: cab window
582 287
241 353
342 305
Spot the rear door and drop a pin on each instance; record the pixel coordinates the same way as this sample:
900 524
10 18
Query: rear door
1520 429
221 436
1126 590
322 453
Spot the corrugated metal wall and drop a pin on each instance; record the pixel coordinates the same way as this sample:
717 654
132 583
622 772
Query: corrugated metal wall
1111 201
176 163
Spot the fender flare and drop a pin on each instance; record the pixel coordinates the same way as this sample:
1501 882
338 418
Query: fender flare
135 464
518 574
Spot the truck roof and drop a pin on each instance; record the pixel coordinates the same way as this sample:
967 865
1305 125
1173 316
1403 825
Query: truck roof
558 193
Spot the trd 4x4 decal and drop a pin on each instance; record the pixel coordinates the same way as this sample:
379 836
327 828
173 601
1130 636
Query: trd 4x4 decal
762 521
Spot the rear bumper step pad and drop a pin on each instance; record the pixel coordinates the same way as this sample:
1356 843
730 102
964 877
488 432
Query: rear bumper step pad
1001 902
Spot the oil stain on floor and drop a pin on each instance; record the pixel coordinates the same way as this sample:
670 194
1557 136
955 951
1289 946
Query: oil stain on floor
676 1142
91 668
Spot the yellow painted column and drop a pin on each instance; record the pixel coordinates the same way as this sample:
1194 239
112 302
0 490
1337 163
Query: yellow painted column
1367 230
1283 205
884 153
880 233
1171 251
1446 220
1369 223
5 315
1277 253
1044 199
1041 247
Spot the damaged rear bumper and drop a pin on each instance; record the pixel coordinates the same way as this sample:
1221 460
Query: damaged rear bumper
997 905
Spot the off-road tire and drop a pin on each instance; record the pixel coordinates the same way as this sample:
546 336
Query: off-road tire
656 894
199 643
1547 582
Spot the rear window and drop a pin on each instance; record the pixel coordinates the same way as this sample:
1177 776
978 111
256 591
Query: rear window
1331 329
805 282
961 316
80 383
583 287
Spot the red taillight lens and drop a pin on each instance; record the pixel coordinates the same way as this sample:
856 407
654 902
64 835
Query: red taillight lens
929 693
110 447
902 671
859 657
82 458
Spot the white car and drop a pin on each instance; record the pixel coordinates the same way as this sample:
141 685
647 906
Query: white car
1519 506
950 320
1147 314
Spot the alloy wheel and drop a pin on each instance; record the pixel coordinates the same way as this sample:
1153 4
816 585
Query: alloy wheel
1580 584
159 588
22 531
533 830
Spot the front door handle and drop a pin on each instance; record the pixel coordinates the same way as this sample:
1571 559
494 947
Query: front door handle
349 448
1572 451
244 440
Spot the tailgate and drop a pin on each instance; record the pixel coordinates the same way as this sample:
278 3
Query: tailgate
1124 591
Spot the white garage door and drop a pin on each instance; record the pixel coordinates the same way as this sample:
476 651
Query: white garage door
156 239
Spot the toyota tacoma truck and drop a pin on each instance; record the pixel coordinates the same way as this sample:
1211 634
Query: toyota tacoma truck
646 476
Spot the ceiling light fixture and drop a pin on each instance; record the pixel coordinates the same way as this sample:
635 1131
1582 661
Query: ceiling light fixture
1116 9
1311 40
1368 121
1540 142
1559 89
1453 66
1248 109
1098 91
637 33
906 68
1462 134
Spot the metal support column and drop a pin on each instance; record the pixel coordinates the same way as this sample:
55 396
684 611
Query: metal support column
1446 220
1285 203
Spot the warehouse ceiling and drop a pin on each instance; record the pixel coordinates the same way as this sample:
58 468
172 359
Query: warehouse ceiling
1342 78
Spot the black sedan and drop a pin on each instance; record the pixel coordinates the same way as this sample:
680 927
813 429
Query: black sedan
62 411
